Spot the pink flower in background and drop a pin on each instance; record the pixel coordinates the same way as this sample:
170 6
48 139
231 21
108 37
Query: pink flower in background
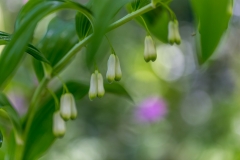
151 110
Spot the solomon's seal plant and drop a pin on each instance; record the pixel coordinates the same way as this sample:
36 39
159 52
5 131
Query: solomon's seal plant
49 109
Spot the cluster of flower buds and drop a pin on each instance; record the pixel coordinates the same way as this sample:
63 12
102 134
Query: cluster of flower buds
150 49
96 86
68 110
114 71
173 33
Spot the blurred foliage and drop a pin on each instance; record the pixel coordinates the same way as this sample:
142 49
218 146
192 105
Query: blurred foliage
203 117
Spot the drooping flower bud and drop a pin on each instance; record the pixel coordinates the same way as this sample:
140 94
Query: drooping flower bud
59 127
150 49
73 109
176 32
65 106
118 71
111 68
171 32
100 89
93 87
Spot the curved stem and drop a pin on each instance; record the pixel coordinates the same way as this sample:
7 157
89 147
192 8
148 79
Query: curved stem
148 32
65 61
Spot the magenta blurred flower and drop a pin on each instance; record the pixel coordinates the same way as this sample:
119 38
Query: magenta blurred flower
151 109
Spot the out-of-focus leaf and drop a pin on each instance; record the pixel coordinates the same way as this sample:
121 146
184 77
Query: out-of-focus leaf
7 107
104 14
83 26
38 68
117 89
137 4
213 17
63 34
37 143
7 110
1 138
33 51
27 20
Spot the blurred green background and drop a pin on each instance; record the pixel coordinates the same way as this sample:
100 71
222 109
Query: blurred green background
179 110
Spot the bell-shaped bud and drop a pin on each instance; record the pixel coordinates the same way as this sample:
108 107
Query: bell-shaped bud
59 127
171 32
146 53
111 68
101 91
73 109
65 106
176 32
93 87
118 71
150 49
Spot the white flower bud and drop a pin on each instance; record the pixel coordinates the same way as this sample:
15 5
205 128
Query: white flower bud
150 49
146 53
73 109
93 87
111 68
118 71
176 32
101 91
171 32
65 106
59 127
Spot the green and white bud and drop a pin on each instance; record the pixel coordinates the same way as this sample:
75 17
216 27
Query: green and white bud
176 32
100 89
150 49
118 71
111 68
73 109
93 87
65 106
171 32
59 127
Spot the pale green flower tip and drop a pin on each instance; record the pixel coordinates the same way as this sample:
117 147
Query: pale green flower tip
153 59
92 96
59 127
118 78
110 79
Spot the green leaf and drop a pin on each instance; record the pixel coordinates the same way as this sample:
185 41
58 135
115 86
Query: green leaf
5 38
213 17
1 138
8 109
27 20
38 143
83 26
63 33
106 9
117 89
137 4
156 20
